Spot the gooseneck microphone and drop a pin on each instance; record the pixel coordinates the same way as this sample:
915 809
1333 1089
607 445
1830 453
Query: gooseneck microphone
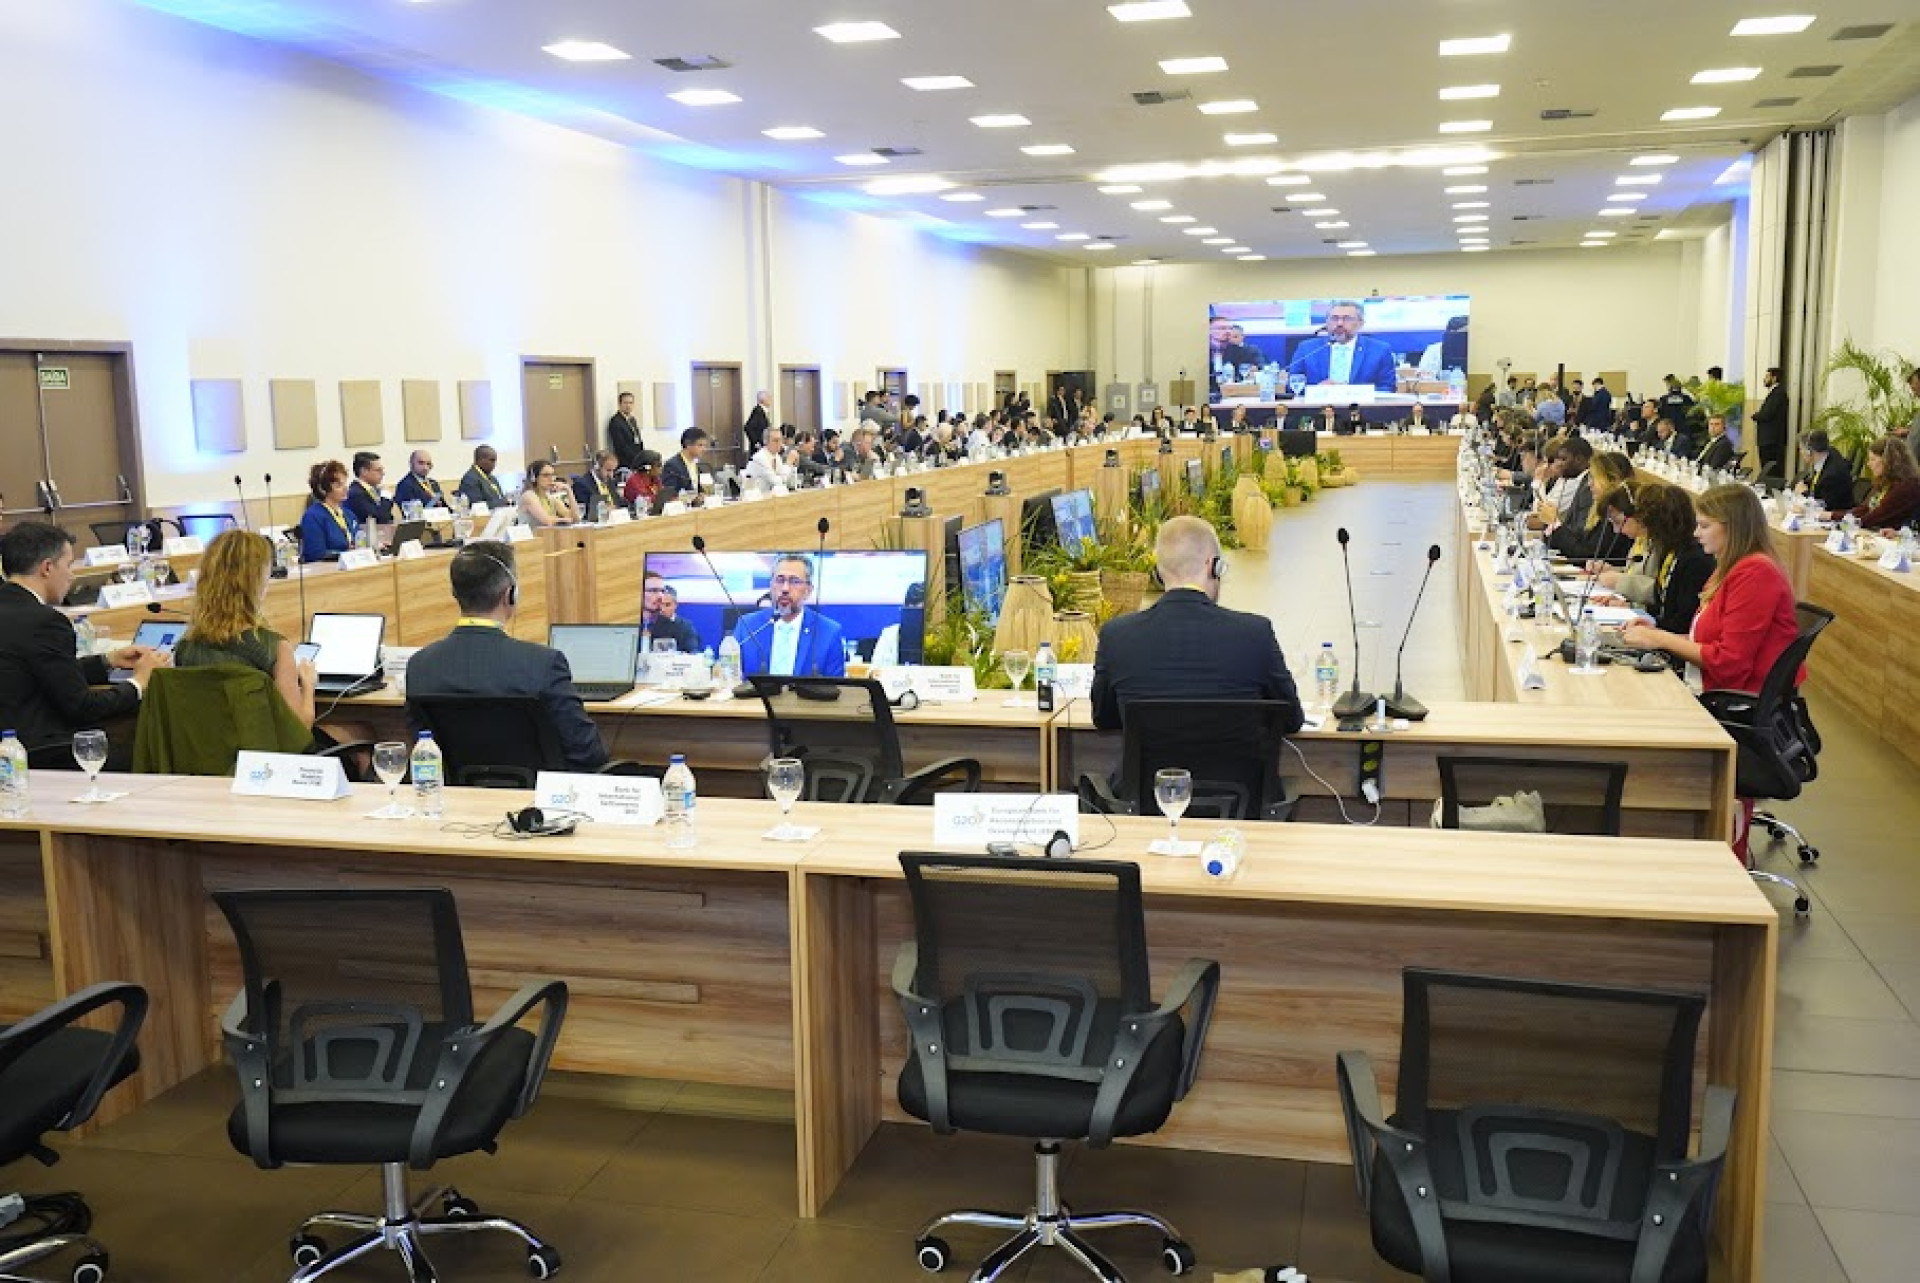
240 493
745 689
1355 702
1403 704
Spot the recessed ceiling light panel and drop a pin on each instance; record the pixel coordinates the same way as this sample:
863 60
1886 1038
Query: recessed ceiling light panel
1048 149
1150 10
1690 113
1005 120
1726 75
1475 45
792 133
1785 25
861 158
928 84
1465 126
1465 93
585 51
850 33
704 97
1193 66
1229 107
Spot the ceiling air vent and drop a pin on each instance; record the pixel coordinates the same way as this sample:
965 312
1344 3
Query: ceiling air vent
896 151
1765 103
1523 242
694 62
1533 182
1526 218
1569 113
1161 97
1037 209
1871 32
1813 73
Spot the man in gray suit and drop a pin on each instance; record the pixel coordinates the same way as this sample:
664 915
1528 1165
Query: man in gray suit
479 657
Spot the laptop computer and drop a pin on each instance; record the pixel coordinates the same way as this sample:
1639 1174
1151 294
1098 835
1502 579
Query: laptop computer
404 532
603 657
349 658
154 634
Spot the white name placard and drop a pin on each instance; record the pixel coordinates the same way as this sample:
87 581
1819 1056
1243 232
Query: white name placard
185 546
751 495
1837 541
111 554
359 559
937 684
436 515
477 510
619 517
295 777
519 534
114 596
677 668
1073 681
633 800
1531 679
672 508
971 820
1895 560
412 550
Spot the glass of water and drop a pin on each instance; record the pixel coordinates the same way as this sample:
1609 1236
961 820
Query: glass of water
1173 790
90 751
1018 664
390 764
786 780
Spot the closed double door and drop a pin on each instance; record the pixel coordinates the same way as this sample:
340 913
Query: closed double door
67 442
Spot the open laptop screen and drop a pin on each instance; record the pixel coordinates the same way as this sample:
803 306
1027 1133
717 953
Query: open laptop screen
598 654
349 644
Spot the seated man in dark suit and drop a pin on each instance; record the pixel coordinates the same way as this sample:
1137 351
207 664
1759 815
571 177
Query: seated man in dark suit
479 657
1718 451
1828 476
789 638
479 485
364 499
45 693
595 491
680 478
418 486
1188 646
659 620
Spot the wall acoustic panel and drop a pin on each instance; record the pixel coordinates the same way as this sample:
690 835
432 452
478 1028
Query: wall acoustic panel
476 409
420 408
666 413
296 414
219 416
363 420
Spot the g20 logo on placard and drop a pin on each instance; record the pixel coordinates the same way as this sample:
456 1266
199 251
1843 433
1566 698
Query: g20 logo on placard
972 819
261 774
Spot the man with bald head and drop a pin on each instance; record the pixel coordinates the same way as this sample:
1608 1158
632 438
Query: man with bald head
1188 646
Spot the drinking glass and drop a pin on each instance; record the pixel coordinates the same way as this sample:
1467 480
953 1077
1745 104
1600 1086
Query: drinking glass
162 572
90 751
786 780
1018 664
125 571
390 764
1173 790
1296 383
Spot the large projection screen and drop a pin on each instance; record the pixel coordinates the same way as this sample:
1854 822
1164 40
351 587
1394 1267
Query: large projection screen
1380 350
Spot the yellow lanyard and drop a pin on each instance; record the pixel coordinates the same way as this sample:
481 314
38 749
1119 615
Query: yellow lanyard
339 518
468 621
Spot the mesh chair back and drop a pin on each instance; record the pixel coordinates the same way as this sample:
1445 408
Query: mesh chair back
490 742
1035 959
110 533
850 744
1232 748
1777 687
1578 797
352 989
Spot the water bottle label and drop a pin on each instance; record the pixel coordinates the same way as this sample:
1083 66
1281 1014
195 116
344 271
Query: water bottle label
426 773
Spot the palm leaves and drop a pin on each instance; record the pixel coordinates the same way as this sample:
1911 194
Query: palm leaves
1886 403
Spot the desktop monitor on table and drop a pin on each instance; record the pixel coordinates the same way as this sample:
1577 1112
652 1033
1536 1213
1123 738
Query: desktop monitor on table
983 567
1037 526
1073 518
1196 477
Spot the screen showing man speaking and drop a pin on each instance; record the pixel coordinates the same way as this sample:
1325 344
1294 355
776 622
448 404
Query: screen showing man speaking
1285 349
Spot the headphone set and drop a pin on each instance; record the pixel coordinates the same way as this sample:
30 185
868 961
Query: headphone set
1216 569
1057 847
513 580
536 823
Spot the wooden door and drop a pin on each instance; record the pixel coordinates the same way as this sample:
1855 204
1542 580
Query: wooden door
66 422
717 407
800 397
23 463
557 401
1006 383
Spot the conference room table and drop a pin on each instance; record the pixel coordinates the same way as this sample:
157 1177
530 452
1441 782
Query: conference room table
755 963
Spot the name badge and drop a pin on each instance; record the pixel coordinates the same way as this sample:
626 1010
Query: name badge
519 534
359 559
184 546
411 550
629 800
969 821
114 596
619 517
295 777
112 554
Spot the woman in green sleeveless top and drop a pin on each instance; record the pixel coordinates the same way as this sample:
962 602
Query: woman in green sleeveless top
229 621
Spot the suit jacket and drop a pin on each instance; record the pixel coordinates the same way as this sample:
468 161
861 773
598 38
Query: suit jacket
481 660
1597 410
45 693
368 504
428 494
1831 482
589 489
1373 362
623 438
321 538
1187 647
1571 538
479 487
1679 445
819 654
1719 453
1770 420
756 427
1059 409
676 478
684 636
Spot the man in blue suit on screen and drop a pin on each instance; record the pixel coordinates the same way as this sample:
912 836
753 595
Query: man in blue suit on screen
788 639
1345 355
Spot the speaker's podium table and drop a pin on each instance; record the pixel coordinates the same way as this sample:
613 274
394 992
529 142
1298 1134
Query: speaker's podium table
754 963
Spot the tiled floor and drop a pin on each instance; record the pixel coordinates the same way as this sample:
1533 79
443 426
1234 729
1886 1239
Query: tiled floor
696 1186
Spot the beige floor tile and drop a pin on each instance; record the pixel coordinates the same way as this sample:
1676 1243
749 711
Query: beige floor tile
717 1165
1836 1044
1873 1097
1853 1162
1874 1247
1797 1250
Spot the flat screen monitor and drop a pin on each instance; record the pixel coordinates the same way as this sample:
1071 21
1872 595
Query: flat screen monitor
865 606
1412 344
1073 518
205 526
598 654
1149 485
983 567
1196 476
1037 526
1299 443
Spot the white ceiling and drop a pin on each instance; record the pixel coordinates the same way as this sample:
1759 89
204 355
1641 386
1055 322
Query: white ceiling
1362 76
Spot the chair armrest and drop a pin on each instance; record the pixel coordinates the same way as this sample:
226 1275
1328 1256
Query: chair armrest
459 1050
1730 705
69 1011
918 788
1678 1187
1198 982
926 1034
1370 1136
1098 797
627 766
252 1058
354 759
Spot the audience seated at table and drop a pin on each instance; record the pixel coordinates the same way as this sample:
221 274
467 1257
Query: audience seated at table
546 499
229 624
1827 475
327 528
1668 567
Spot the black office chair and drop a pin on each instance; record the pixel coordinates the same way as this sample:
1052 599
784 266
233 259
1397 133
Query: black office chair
57 756
355 1042
1539 1132
1576 797
497 742
850 743
52 1076
1778 744
1027 997
112 533
1231 747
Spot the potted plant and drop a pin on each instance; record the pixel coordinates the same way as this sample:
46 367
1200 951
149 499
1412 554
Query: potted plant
1885 402
1128 569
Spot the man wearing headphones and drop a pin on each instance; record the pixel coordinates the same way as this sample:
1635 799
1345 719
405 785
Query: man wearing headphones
479 657
1188 646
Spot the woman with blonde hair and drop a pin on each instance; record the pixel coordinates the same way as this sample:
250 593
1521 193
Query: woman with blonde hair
229 620
1611 470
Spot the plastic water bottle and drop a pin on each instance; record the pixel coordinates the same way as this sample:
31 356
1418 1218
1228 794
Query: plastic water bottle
1589 640
1046 671
727 673
1326 675
15 796
677 785
429 777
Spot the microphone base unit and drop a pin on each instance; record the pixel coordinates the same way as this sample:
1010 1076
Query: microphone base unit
1355 703
1404 706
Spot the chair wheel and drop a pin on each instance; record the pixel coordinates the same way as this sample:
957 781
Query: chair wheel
1282 1274
91 1268
1809 855
543 1262
1176 1257
455 1204
306 1249
1803 906
933 1254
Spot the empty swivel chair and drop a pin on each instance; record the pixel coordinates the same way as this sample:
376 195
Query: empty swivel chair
52 1076
1576 797
850 743
1027 1001
356 1043
1231 747
1539 1132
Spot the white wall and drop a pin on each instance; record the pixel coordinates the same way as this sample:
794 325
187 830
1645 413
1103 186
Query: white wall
1642 309
239 211
1896 319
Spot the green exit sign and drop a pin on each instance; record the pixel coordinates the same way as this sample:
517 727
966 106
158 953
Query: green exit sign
55 378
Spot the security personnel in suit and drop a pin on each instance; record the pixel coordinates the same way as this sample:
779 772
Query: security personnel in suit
623 433
479 657
758 421
1770 426
46 694
1188 646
